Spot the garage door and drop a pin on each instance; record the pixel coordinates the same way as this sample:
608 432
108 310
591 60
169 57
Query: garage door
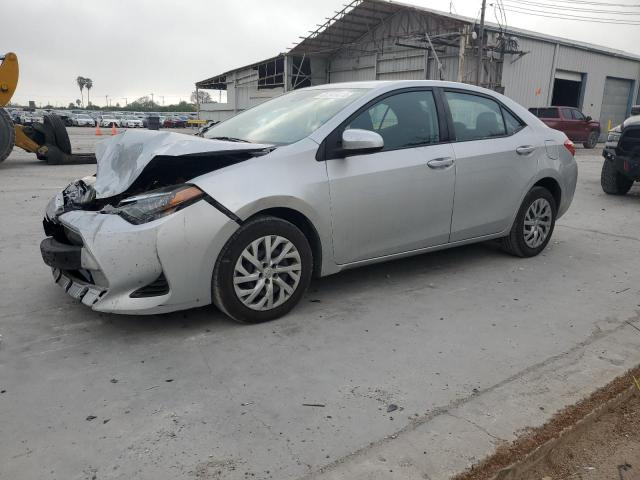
615 102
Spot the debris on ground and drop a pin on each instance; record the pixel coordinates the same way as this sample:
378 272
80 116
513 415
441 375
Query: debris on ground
313 405
392 408
90 417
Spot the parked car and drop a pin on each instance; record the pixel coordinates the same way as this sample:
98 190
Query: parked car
313 182
83 120
130 122
575 124
621 167
174 122
109 122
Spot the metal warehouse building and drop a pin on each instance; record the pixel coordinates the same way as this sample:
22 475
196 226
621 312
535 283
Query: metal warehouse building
383 40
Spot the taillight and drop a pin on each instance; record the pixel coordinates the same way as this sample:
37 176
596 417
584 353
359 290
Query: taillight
569 145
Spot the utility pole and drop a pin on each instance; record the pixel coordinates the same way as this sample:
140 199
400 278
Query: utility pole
106 99
151 97
162 97
125 101
480 45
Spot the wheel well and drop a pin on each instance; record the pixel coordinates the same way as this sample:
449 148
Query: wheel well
553 187
305 225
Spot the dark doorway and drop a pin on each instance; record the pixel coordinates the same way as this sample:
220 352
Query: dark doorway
566 93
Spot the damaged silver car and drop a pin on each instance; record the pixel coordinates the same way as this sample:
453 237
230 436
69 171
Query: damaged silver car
310 183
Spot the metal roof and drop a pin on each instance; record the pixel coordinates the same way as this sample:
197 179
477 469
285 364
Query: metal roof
350 25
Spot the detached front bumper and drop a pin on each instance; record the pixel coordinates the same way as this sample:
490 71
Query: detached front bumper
113 266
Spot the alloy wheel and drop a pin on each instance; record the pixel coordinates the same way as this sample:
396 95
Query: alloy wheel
537 222
267 272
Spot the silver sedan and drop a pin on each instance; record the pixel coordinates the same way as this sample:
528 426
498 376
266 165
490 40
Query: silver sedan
316 181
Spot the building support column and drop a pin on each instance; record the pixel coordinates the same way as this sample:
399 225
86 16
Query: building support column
285 75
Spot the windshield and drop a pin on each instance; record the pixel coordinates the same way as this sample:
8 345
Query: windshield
288 118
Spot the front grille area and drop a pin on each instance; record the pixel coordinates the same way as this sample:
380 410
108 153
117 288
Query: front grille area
156 288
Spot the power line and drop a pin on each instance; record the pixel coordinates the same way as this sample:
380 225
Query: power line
570 9
538 13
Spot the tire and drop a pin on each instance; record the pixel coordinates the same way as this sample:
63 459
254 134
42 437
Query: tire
516 243
59 132
254 232
612 181
592 140
7 135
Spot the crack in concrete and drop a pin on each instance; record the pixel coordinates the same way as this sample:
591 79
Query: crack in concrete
479 427
607 234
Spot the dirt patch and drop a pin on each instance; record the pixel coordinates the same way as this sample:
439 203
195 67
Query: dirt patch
597 438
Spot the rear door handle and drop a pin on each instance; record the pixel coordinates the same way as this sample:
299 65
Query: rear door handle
525 149
443 162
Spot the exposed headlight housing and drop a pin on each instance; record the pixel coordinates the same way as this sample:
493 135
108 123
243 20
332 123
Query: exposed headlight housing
157 203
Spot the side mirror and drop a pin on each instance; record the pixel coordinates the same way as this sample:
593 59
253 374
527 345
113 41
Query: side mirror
588 119
355 140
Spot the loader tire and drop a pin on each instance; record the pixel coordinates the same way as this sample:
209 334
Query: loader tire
7 135
59 132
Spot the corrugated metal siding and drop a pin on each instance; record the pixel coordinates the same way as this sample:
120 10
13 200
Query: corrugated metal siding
522 77
401 65
525 76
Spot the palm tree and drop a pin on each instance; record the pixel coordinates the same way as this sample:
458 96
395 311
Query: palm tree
88 83
81 81
78 102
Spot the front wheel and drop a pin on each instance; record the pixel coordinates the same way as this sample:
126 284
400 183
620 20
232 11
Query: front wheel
262 271
534 224
612 181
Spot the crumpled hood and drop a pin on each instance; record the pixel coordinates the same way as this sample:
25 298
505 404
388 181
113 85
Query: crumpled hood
122 158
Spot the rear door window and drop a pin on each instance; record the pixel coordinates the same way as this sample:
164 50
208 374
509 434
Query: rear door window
475 117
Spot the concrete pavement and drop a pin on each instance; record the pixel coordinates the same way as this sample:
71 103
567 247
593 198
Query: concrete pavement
470 344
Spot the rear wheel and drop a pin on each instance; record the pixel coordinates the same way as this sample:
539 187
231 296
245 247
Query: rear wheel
592 140
534 224
612 181
263 270
7 135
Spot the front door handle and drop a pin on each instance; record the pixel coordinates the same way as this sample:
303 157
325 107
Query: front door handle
525 149
443 162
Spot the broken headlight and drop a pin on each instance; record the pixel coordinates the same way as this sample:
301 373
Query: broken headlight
157 203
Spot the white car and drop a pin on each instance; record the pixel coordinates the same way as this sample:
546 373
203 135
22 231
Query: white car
109 122
131 122
83 120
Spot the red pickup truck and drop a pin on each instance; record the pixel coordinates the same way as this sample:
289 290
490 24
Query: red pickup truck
572 122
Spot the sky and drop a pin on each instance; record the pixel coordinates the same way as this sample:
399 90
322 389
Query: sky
131 48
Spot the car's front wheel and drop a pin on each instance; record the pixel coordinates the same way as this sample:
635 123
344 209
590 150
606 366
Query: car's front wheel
612 181
534 224
263 270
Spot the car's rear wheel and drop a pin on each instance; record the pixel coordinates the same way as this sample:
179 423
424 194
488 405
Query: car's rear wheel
612 181
263 270
534 224
592 140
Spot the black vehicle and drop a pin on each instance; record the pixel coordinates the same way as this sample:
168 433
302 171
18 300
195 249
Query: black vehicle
621 154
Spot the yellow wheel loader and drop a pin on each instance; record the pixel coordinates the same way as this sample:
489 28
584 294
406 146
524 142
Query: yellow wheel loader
48 140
